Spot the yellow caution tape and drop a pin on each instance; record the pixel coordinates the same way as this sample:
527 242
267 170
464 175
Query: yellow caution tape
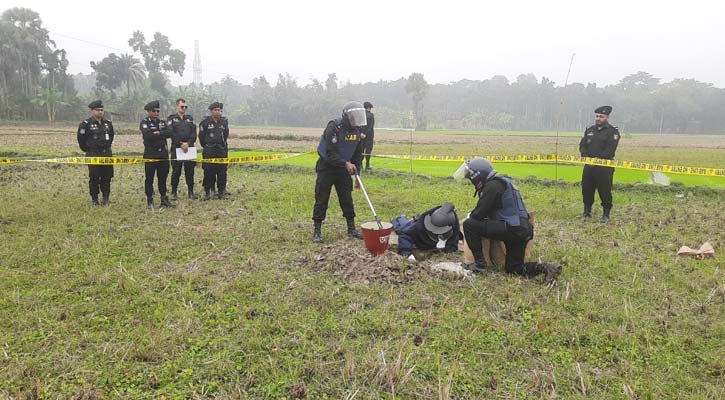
520 158
249 159
98 160
537 158
675 169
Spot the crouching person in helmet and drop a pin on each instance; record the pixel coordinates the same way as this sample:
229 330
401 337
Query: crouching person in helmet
340 151
499 215
436 229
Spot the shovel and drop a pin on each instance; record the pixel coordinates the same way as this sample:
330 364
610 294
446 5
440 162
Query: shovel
365 192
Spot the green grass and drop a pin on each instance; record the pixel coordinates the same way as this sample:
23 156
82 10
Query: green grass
221 299
569 173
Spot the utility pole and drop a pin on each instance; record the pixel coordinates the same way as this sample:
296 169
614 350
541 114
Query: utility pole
197 65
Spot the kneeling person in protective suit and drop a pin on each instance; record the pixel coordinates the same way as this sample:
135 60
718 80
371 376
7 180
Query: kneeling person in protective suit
499 215
436 229
340 151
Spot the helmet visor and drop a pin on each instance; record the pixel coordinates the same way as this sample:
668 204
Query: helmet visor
356 116
461 173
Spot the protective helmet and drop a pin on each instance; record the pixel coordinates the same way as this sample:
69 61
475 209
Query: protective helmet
353 113
478 170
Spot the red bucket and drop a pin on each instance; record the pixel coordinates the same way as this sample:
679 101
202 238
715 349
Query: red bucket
376 239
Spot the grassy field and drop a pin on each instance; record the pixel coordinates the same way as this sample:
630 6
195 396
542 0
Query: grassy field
226 299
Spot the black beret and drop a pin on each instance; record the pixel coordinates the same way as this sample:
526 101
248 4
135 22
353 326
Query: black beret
95 104
216 104
368 104
152 105
606 110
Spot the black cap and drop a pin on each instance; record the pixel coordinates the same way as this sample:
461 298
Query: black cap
152 105
95 104
216 104
367 104
606 110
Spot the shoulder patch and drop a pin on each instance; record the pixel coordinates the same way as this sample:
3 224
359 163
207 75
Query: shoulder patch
144 126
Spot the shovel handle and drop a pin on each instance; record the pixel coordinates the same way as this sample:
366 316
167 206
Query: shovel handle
365 192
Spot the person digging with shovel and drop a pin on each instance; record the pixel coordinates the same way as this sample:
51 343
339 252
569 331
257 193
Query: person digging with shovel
340 151
499 215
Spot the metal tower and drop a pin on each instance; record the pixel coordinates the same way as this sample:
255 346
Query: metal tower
197 65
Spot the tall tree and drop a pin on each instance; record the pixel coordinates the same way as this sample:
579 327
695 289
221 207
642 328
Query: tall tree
159 58
417 87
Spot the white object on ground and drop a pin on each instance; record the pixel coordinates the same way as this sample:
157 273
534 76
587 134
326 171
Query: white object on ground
454 268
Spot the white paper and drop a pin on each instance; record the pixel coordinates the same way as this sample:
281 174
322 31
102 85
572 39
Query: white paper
189 155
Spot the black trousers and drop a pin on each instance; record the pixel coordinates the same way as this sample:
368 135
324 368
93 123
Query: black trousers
597 178
341 180
514 238
188 167
367 148
99 180
215 174
161 170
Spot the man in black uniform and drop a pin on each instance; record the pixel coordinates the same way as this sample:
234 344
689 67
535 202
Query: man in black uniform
500 214
155 133
95 136
600 141
369 130
183 136
340 151
213 135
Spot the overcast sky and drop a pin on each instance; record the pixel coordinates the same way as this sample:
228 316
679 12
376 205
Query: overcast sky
446 40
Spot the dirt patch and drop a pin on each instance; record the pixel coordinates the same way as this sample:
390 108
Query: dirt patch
355 265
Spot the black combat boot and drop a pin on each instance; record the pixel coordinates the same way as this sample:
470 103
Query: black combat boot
174 196
207 194
317 235
605 216
94 201
587 212
192 196
166 203
106 199
150 203
351 231
477 266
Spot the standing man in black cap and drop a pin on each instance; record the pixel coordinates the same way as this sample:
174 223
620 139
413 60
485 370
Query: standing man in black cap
213 135
600 141
340 151
369 131
183 136
95 137
155 132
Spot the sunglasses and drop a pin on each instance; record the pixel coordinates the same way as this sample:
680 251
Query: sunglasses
155 110
183 107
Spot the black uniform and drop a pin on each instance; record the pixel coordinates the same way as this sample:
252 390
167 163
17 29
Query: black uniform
183 130
413 234
598 142
95 139
483 223
331 171
155 132
367 143
213 135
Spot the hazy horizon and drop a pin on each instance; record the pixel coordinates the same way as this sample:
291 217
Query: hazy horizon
461 40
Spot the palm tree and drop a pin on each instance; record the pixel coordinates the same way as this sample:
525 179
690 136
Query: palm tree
51 99
133 72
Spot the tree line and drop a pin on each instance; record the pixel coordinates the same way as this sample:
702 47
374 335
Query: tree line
35 85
